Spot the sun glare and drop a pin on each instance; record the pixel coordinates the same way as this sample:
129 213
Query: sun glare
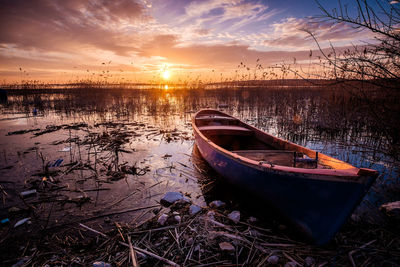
166 74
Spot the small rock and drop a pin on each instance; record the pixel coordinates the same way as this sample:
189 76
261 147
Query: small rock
175 213
14 210
225 246
290 264
194 209
391 209
189 241
217 204
211 214
309 261
177 218
234 216
273 259
170 198
162 219
101 264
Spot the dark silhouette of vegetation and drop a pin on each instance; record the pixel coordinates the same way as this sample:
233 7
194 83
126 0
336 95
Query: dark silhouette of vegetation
370 72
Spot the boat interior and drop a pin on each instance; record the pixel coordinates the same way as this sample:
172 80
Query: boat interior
230 134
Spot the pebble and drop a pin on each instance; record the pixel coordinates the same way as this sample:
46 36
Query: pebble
14 210
225 246
101 264
234 216
194 209
162 219
211 214
309 261
273 259
170 198
177 218
217 204
290 264
189 241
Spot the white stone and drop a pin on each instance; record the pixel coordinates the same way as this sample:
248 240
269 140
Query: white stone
162 219
194 209
234 216
217 204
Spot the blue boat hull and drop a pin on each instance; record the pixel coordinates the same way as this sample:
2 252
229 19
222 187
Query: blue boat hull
318 207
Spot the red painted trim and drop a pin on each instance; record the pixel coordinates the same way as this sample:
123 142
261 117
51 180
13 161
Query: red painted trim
350 173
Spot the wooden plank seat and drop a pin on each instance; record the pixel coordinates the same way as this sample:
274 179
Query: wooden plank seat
225 130
215 118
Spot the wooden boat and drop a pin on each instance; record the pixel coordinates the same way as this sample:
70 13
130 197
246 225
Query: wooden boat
317 193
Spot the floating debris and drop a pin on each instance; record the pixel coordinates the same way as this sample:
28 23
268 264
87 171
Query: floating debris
65 149
23 131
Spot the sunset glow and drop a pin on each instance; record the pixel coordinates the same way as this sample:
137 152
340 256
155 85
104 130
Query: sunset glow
127 40
166 74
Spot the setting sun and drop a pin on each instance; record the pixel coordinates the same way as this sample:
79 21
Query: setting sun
166 74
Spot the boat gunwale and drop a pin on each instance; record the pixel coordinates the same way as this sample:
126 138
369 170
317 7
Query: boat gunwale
350 174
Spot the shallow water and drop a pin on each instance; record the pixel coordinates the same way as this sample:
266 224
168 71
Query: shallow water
160 144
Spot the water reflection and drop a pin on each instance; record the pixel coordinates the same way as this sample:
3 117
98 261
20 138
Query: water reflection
317 118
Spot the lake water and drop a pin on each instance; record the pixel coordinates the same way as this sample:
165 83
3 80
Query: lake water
146 135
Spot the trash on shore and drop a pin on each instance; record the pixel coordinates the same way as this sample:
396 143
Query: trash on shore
21 222
28 193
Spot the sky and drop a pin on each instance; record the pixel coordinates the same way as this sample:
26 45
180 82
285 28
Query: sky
152 40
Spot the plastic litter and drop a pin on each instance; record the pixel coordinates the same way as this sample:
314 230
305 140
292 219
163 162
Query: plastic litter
28 193
65 149
21 222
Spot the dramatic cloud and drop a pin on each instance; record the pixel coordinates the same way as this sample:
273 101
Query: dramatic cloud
293 32
227 55
70 36
53 25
